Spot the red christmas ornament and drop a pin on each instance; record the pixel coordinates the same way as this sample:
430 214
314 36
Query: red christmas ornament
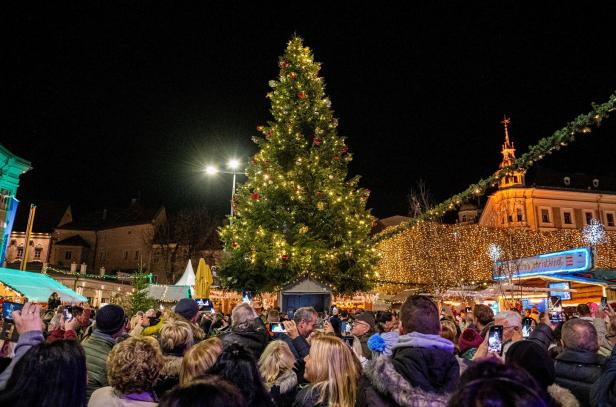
344 149
316 141
284 257
269 134
235 245
301 94
283 64
255 196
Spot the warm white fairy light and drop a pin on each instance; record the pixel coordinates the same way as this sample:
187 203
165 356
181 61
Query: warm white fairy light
594 233
495 252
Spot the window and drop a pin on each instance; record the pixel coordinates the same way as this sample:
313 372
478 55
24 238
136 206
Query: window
609 219
136 254
125 254
567 217
20 252
519 215
68 255
588 216
545 215
13 242
37 253
509 218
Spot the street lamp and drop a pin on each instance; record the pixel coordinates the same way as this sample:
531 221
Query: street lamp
233 165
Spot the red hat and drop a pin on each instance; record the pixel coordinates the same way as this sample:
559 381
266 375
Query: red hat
469 339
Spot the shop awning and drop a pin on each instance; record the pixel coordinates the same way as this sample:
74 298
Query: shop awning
37 287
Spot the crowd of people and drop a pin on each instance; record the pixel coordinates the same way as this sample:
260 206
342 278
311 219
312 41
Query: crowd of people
424 354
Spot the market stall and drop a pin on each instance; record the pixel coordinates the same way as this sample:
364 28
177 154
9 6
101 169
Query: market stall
17 285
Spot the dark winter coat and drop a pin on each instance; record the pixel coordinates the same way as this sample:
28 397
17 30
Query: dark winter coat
278 336
169 374
301 346
603 392
253 341
97 348
578 371
308 397
382 384
284 390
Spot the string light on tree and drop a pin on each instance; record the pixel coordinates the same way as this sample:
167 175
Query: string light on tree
594 233
495 252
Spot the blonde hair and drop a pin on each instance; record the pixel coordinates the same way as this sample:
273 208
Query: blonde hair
275 359
176 335
134 364
333 371
199 359
448 330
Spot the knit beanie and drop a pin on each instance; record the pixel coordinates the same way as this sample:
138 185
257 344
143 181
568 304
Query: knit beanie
469 339
534 359
187 307
110 319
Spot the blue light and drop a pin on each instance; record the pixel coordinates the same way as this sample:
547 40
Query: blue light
584 250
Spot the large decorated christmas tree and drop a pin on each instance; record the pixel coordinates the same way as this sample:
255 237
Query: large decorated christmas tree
298 215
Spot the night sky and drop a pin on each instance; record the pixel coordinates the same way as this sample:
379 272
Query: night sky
112 102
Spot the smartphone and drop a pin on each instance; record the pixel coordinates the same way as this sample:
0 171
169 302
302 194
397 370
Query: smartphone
348 340
277 327
345 328
555 310
495 339
8 308
67 314
527 327
604 302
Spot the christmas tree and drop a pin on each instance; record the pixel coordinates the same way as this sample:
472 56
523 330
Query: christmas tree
298 215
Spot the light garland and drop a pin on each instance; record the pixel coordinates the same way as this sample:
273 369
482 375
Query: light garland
594 233
92 276
560 138
436 257
495 252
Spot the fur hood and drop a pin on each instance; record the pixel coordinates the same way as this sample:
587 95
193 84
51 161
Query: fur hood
287 382
563 396
384 378
171 366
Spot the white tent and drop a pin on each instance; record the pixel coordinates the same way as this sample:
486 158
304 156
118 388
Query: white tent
188 278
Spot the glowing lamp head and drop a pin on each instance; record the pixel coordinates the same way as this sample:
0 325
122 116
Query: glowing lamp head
211 170
233 164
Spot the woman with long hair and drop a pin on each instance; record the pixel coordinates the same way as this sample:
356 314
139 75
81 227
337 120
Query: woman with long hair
333 372
50 375
199 359
276 366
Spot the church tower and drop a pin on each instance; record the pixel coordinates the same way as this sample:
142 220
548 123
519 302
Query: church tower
516 177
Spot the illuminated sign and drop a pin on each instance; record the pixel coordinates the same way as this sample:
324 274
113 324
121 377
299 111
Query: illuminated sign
567 261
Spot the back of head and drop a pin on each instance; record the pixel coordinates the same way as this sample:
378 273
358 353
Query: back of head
134 364
448 330
583 310
275 359
50 374
187 308
483 313
334 369
304 314
273 316
199 359
110 319
508 318
493 384
237 365
176 337
420 314
580 335
220 393
243 317
534 359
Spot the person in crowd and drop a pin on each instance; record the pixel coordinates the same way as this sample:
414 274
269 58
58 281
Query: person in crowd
220 324
136 320
483 318
187 309
534 314
362 329
28 325
490 383
48 374
335 321
176 338
152 323
511 321
423 367
206 320
579 365
247 329
300 328
110 322
531 357
276 367
333 372
449 331
237 365
134 365
273 316
603 392
54 301
468 343
61 329
583 311
468 322
199 359
220 393
386 337
606 332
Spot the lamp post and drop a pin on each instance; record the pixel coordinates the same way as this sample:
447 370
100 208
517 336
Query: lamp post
233 166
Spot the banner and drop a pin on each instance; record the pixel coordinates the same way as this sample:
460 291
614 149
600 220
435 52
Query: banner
567 261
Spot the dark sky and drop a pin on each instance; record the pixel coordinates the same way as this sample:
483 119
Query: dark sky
111 101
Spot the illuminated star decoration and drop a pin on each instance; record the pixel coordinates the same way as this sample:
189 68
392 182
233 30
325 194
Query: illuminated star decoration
594 233
495 252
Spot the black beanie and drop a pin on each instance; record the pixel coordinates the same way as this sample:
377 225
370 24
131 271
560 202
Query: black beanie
187 307
534 359
110 319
